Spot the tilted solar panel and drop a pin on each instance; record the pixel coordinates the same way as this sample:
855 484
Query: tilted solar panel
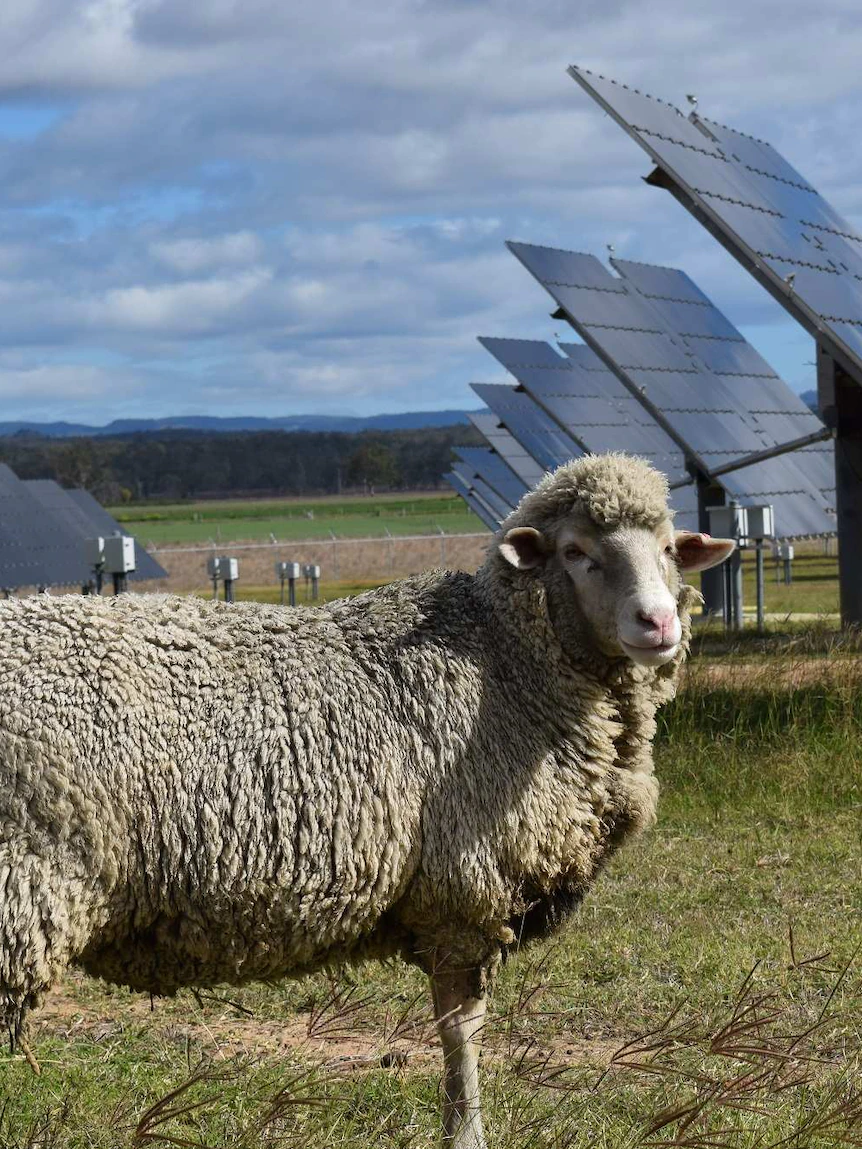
37 548
476 505
535 430
653 339
89 519
495 503
801 248
591 404
508 447
489 467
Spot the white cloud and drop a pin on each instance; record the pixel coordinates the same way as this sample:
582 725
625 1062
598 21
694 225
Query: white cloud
312 199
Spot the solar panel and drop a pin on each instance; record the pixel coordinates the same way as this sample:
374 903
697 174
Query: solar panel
508 447
760 206
36 547
591 404
535 430
497 506
89 519
476 505
489 467
652 336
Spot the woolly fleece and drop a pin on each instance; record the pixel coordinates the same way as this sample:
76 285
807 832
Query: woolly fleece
194 793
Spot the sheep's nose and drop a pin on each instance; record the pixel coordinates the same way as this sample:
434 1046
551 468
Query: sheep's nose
661 621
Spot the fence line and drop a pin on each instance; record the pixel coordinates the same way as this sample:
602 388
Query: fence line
341 540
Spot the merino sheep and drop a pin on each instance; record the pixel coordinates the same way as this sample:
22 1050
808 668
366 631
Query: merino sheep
193 793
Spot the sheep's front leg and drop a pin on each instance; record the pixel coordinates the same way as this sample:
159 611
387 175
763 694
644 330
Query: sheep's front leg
459 1006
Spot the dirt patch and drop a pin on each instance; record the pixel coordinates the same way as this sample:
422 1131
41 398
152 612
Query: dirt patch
225 1036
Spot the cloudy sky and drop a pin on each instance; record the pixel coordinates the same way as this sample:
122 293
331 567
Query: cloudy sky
271 207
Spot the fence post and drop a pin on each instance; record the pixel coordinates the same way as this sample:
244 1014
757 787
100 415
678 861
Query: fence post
335 566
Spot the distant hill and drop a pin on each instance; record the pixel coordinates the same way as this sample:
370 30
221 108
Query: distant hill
810 398
403 421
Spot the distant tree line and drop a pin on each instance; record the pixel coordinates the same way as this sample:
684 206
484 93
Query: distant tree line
195 464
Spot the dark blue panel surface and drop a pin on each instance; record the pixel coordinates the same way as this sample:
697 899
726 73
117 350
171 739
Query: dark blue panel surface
475 504
537 432
37 547
495 472
768 214
89 519
508 448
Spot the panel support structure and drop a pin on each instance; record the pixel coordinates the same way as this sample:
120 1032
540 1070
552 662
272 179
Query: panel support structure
711 581
840 400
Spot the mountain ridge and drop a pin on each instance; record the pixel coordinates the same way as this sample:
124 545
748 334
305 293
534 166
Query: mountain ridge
404 420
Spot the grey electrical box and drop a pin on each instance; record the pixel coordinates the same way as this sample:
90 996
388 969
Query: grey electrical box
761 522
214 567
229 568
94 552
729 522
120 554
785 552
311 570
288 570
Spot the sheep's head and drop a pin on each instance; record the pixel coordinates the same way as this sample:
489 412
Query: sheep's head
598 533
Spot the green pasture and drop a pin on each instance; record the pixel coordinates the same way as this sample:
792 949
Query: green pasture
707 994
289 520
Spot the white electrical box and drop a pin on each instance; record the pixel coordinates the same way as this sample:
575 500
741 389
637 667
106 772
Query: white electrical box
728 522
229 568
94 552
288 570
120 554
761 522
786 551
214 567
311 570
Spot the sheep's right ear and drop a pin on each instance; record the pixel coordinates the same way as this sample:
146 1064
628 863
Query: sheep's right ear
524 548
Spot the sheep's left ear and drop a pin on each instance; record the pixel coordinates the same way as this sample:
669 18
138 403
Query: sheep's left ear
524 548
697 552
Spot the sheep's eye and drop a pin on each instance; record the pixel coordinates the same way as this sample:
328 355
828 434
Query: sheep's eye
572 553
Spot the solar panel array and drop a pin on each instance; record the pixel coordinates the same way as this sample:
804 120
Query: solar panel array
516 456
89 519
580 393
801 247
36 549
702 391
42 528
477 505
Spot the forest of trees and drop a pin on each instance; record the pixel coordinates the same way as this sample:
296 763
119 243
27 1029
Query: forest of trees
194 464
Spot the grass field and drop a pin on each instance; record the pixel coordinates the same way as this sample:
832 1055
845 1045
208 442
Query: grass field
296 519
708 994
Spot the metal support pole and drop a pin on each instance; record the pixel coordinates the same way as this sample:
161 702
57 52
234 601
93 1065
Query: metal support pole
282 581
736 575
120 583
759 574
840 400
291 591
315 588
712 582
228 590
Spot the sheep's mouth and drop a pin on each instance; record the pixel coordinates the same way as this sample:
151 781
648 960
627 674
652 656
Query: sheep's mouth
650 655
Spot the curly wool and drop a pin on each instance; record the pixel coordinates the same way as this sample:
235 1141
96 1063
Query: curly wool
194 793
612 490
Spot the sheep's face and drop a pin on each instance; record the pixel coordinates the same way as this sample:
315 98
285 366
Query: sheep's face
622 583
